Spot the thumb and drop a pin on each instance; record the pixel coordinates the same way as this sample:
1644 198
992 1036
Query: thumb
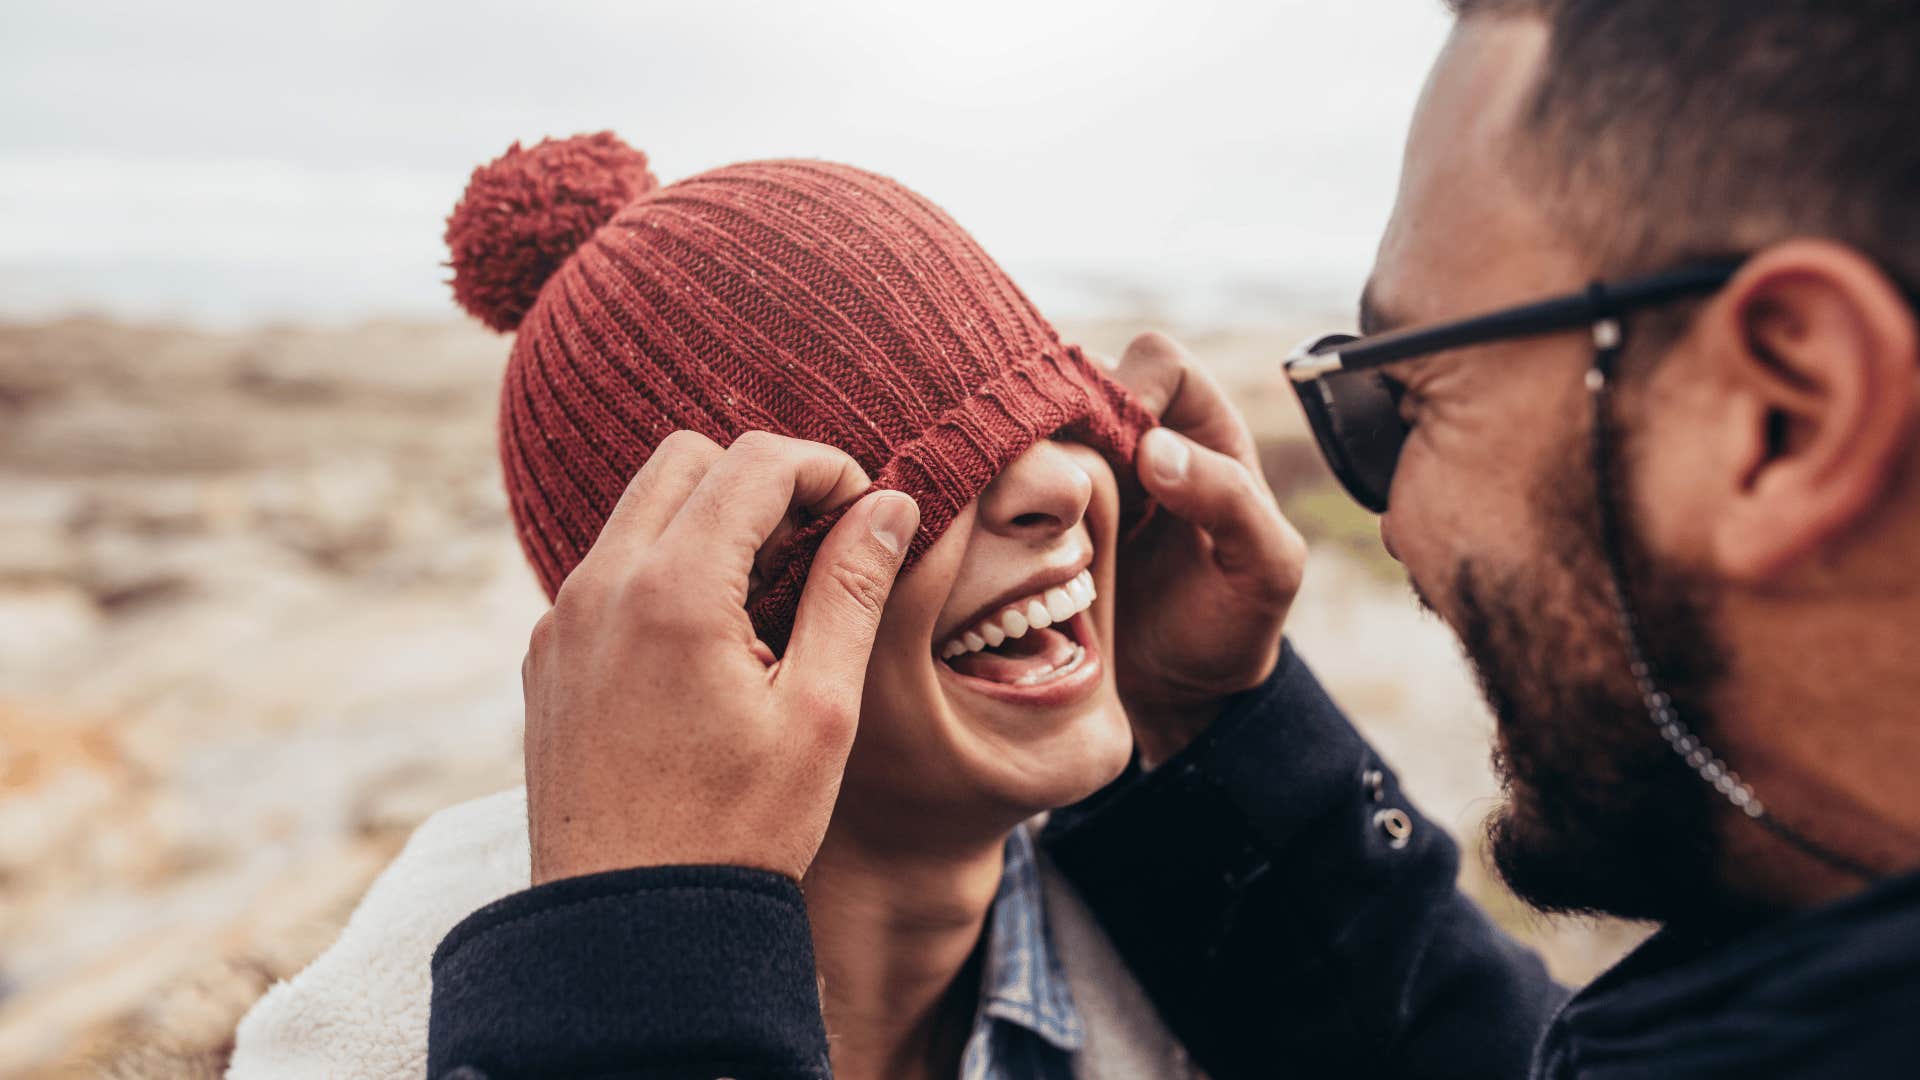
1217 493
846 591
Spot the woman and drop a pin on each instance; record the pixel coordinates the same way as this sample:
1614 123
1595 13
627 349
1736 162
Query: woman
826 303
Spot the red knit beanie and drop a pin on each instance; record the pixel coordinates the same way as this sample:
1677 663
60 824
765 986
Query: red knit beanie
799 297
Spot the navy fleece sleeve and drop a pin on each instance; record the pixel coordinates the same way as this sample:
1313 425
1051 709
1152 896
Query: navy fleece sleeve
1286 918
661 972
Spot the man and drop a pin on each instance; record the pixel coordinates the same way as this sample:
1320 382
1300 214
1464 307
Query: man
1671 518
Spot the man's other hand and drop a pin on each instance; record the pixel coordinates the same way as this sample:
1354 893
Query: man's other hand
659 729
1203 591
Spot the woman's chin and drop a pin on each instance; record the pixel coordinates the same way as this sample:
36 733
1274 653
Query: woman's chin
1058 763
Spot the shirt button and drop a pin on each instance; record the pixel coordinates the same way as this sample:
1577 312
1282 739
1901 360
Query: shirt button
1375 782
1396 825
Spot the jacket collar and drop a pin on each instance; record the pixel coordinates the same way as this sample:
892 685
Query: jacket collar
1021 980
1751 1000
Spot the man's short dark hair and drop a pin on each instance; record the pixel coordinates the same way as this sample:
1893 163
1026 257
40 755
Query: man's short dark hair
1667 130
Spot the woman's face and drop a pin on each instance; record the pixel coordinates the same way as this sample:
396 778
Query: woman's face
1032 720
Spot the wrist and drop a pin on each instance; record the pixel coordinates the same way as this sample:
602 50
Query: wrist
1163 725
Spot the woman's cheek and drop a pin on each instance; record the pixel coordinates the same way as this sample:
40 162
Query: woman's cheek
900 675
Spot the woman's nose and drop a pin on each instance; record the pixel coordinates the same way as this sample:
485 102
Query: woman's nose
1042 493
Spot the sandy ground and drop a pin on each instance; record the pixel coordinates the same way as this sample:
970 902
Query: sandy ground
261 612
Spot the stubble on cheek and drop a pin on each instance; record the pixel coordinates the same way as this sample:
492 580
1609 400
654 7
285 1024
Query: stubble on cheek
1600 816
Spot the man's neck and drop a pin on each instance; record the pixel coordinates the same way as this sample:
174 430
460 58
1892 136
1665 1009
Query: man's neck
895 926
1820 716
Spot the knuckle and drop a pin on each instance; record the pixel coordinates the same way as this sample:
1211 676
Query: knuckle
861 585
825 712
540 641
1290 579
683 453
1246 487
583 589
845 459
1157 349
1277 576
650 592
1253 488
1231 488
757 443
646 592
1151 367
833 732
684 441
1293 564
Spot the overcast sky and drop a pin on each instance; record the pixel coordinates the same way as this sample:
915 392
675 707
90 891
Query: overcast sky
234 161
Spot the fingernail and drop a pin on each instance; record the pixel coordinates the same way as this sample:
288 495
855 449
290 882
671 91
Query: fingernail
1170 461
894 521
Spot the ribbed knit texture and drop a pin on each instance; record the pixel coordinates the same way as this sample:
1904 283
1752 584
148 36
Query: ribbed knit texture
800 297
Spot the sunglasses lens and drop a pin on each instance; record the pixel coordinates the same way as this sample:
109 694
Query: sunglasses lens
1361 431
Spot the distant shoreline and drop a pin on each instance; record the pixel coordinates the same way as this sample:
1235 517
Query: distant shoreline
335 293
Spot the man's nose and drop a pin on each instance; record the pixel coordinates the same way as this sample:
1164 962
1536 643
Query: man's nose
1041 493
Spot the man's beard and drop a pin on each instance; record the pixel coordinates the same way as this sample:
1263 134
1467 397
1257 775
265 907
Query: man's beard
1601 816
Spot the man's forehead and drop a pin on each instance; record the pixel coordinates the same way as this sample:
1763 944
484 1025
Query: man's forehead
1463 223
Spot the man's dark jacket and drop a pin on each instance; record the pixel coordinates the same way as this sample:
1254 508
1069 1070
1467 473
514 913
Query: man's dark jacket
1287 910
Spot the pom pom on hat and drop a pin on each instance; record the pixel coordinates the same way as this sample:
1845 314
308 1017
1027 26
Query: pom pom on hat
527 211
805 298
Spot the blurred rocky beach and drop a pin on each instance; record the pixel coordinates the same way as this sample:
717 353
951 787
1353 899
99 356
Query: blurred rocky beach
261 612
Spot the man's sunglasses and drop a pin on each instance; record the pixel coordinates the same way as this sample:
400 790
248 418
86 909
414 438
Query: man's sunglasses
1355 412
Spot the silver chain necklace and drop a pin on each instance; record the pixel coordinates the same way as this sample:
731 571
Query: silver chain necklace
1608 338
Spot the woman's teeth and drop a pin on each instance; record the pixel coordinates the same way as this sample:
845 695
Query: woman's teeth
1050 674
1058 604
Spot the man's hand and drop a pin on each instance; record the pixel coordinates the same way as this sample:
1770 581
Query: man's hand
660 730
1204 590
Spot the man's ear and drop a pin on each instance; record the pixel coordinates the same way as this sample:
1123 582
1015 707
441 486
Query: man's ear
1819 349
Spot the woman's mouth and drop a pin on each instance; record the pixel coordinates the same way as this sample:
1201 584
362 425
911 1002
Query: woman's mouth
1039 650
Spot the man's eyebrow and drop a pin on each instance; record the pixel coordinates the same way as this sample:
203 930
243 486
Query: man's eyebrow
1373 319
